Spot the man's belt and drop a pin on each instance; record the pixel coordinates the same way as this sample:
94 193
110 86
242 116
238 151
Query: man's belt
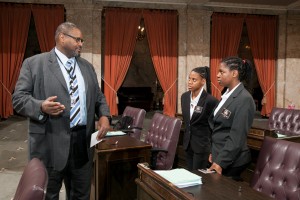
78 128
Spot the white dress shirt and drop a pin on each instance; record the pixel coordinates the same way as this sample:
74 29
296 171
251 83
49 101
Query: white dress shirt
61 58
224 97
194 102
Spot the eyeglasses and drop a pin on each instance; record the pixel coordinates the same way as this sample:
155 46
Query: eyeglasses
77 39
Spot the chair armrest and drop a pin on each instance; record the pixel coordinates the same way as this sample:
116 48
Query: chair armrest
130 129
135 127
154 152
157 150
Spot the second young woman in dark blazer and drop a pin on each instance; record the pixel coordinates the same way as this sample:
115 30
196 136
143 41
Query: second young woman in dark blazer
197 105
232 119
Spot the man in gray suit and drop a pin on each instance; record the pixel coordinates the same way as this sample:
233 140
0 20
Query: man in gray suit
58 91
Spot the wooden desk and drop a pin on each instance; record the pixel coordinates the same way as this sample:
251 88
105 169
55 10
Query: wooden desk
260 129
215 186
115 167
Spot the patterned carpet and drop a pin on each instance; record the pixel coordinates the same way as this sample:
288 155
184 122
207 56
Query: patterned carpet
13 143
14 155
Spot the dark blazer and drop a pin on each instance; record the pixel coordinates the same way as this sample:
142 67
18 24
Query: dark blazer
40 78
198 125
230 128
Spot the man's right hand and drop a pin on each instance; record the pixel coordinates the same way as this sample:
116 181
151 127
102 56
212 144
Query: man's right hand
51 107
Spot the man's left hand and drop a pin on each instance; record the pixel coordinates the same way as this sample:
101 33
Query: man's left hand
103 127
216 167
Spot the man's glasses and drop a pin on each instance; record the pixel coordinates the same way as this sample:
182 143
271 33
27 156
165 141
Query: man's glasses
77 39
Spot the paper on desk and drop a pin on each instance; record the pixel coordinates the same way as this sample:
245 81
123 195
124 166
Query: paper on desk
206 171
280 135
94 140
180 177
115 133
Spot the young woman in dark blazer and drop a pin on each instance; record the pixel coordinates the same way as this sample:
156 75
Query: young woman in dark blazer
197 105
232 119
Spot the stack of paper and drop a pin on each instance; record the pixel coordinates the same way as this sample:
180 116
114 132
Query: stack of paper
180 177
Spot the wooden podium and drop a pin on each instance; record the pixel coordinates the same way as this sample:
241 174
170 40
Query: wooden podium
151 186
115 167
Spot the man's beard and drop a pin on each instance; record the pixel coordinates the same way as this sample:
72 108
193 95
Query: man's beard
75 54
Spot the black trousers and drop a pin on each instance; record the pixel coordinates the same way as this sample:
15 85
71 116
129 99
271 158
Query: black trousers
77 173
196 160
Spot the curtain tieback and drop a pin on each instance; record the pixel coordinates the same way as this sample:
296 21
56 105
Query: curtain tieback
117 98
264 100
163 100
171 86
5 88
215 86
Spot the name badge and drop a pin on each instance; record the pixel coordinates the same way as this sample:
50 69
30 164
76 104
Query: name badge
198 109
226 113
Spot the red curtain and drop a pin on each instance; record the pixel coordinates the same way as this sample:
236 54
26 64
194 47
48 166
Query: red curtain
162 33
14 25
120 39
47 18
262 37
225 40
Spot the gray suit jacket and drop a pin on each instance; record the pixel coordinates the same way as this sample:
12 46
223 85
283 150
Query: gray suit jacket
40 78
230 127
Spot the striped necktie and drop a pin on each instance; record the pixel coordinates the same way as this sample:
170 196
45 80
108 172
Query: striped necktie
74 94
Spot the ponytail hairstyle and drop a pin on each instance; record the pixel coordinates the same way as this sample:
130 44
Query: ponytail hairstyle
244 68
204 72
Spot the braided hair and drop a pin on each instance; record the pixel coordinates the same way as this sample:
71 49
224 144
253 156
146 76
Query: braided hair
204 72
244 68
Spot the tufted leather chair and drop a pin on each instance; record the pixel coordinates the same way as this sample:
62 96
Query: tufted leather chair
286 121
277 171
138 116
163 135
33 182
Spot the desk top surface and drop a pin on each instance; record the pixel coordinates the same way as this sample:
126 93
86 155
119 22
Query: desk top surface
119 143
214 186
260 124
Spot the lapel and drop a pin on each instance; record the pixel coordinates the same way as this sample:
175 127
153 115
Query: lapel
84 72
86 78
55 69
200 105
229 100
186 103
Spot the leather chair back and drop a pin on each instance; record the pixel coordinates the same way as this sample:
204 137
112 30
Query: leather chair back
163 133
286 121
138 116
33 182
277 171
